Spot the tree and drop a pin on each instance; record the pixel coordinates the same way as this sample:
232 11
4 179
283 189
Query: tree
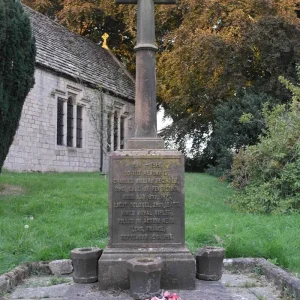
17 62
46 7
237 124
220 48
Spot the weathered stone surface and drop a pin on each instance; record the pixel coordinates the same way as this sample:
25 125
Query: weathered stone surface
145 143
263 293
178 271
85 263
236 286
209 263
282 279
146 217
238 293
145 264
11 279
40 267
61 267
54 291
249 286
144 277
238 281
204 290
3 285
146 195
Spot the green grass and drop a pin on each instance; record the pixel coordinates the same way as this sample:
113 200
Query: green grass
71 210
68 210
209 219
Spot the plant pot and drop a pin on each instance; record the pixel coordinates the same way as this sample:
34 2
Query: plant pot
209 263
144 277
85 264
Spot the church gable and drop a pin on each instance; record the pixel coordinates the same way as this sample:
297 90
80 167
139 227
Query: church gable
76 56
76 112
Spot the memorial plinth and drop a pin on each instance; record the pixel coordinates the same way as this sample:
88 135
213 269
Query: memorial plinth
146 218
146 188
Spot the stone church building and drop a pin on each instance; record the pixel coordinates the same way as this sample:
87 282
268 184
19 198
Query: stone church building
80 108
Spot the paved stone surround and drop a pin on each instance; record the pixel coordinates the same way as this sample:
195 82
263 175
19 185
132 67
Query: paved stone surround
9 280
237 283
282 279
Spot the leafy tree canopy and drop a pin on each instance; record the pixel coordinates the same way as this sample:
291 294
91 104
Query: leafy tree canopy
237 124
93 18
219 48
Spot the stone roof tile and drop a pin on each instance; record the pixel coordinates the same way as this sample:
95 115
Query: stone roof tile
68 53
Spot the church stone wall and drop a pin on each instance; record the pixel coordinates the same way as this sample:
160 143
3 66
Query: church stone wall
35 144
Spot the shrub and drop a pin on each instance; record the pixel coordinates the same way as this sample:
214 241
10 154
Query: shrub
267 175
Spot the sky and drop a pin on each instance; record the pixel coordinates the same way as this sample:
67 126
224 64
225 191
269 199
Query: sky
160 122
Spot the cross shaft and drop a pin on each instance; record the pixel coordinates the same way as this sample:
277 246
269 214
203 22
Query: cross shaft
145 136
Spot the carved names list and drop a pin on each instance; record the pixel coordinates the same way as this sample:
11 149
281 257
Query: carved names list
147 200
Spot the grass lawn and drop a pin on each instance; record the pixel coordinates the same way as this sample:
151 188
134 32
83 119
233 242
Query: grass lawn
65 211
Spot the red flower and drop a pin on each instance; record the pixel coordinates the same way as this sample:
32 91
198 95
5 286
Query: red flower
169 296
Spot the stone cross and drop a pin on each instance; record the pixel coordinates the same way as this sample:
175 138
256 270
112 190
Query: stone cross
145 103
146 187
105 36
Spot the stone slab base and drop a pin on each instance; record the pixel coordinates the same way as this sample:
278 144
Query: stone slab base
145 143
178 271
283 280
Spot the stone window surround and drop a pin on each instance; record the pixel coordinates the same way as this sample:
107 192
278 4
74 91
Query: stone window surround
75 95
120 112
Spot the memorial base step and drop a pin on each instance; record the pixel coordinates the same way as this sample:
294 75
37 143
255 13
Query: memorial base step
178 271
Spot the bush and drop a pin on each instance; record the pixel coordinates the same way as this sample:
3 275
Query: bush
267 175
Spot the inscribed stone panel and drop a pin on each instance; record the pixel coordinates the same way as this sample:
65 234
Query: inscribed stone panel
146 200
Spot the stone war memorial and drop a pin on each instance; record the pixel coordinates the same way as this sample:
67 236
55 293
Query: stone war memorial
146 184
